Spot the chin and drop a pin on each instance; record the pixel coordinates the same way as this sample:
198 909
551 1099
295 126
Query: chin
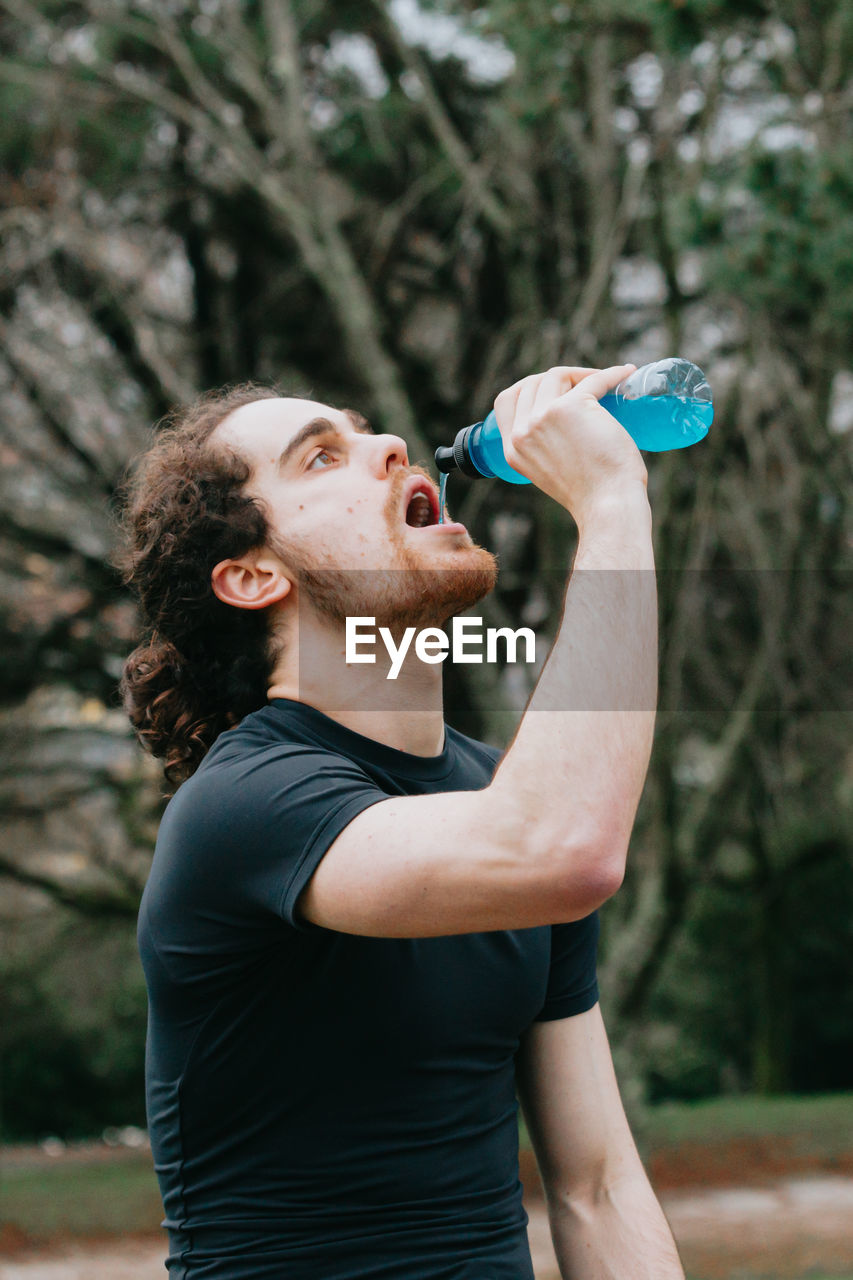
441 585
416 590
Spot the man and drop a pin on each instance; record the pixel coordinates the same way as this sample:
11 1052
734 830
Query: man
359 936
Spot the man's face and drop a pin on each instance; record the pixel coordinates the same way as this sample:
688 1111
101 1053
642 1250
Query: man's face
354 525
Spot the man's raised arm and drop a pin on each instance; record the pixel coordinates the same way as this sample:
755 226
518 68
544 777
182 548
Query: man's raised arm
546 841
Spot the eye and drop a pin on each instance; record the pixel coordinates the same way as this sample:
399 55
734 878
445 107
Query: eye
325 457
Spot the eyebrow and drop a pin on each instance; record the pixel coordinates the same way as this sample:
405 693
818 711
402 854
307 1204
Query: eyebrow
321 427
358 421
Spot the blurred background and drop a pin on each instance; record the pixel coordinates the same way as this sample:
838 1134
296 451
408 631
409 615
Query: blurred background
403 206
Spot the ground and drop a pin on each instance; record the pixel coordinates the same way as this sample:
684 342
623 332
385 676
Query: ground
752 1193
793 1228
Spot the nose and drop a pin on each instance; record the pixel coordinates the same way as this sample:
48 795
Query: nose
389 452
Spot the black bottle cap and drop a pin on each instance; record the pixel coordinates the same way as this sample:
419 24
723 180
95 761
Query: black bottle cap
455 456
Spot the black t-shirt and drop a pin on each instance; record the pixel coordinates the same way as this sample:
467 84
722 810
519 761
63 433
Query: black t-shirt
324 1106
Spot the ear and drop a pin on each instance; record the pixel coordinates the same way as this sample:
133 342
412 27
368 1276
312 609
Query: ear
250 583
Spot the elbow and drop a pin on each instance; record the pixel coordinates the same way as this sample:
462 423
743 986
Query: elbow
589 872
596 875
611 872
572 868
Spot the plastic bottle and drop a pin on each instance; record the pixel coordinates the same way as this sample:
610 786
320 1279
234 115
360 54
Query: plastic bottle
664 405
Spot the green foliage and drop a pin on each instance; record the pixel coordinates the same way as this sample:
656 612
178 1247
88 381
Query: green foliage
818 1125
759 977
784 250
111 143
72 1040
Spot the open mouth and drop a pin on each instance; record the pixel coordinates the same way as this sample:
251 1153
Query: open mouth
421 502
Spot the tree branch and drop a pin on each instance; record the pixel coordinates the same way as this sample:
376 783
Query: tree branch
98 902
465 166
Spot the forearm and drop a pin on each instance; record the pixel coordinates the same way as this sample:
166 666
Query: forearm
576 767
620 1234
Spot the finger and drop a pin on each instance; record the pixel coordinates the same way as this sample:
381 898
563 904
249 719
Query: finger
555 383
574 372
506 400
602 380
529 395
514 403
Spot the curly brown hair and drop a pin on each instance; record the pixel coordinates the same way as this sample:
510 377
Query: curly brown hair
203 664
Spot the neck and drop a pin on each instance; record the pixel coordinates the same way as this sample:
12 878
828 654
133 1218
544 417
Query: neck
406 713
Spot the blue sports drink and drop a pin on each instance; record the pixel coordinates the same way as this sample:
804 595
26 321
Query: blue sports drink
664 405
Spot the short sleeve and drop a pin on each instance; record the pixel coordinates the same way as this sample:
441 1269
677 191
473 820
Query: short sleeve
572 979
257 827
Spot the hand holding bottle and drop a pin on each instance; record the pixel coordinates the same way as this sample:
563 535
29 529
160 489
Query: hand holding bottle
554 432
663 405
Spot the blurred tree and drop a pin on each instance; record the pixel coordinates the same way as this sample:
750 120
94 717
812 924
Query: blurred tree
406 206
70 1043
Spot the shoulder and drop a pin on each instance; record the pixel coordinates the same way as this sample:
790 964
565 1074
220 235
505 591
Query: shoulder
241 830
253 774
